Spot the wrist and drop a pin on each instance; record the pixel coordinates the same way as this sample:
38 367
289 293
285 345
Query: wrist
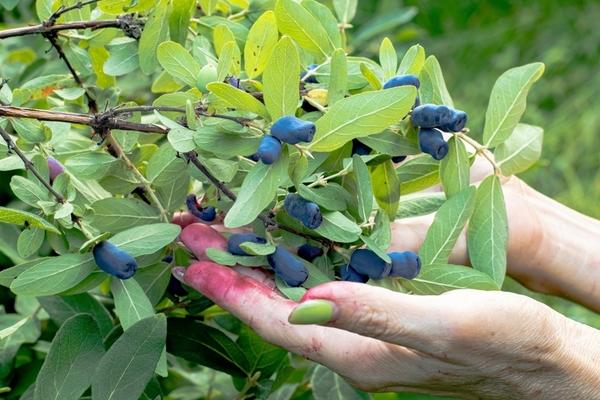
557 255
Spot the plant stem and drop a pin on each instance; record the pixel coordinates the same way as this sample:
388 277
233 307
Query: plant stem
114 144
480 149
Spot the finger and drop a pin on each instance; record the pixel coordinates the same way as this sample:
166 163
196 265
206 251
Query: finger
417 322
199 237
266 312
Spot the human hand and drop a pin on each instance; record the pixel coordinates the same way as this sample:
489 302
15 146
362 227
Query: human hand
465 343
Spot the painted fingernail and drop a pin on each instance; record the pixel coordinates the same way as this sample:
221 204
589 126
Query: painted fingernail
178 273
312 312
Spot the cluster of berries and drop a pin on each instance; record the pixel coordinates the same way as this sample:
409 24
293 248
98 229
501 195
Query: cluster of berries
287 129
365 264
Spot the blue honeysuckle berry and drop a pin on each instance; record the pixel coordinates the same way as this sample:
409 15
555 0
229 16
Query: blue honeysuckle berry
402 80
405 265
457 122
432 142
398 159
269 149
309 252
288 267
114 261
348 274
431 116
293 130
303 210
176 288
207 214
234 241
366 262
312 78
360 148
233 81
254 157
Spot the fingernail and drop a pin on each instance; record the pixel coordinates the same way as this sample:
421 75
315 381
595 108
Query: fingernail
178 273
312 312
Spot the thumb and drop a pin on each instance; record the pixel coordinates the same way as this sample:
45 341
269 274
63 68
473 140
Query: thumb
412 321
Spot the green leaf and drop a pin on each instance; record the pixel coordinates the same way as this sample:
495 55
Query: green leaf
70 364
179 19
238 99
154 280
115 214
331 197
345 10
123 57
455 167
327 385
384 23
262 356
117 7
382 232
433 87
338 81
18 217
337 227
361 115
61 308
295 21
364 193
155 31
90 165
229 61
260 43
131 303
388 58
54 275
9 274
439 278
146 239
374 246
27 191
521 150
280 79
221 35
487 236
129 364
178 62
413 61
323 14
257 249
386 187
370 76
225 258
421 204
446 227
391 143
6 332
164 166
418 173
205 345
257 191
507 102
29 242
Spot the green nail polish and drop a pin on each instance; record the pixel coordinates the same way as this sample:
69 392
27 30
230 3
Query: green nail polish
312 312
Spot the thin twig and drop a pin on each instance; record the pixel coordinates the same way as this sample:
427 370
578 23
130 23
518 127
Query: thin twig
480 149
42 28
62 10
29 165
114 144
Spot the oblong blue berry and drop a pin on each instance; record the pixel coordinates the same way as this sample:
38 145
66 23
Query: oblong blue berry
309 252
303 210
457 122
288 267
405 265
398 159
366 262
403 80
431 116
234 241
114 261
360 148
312 78
269 149
432 142
293 130
348 274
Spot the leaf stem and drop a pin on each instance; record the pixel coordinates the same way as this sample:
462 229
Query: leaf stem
480 149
